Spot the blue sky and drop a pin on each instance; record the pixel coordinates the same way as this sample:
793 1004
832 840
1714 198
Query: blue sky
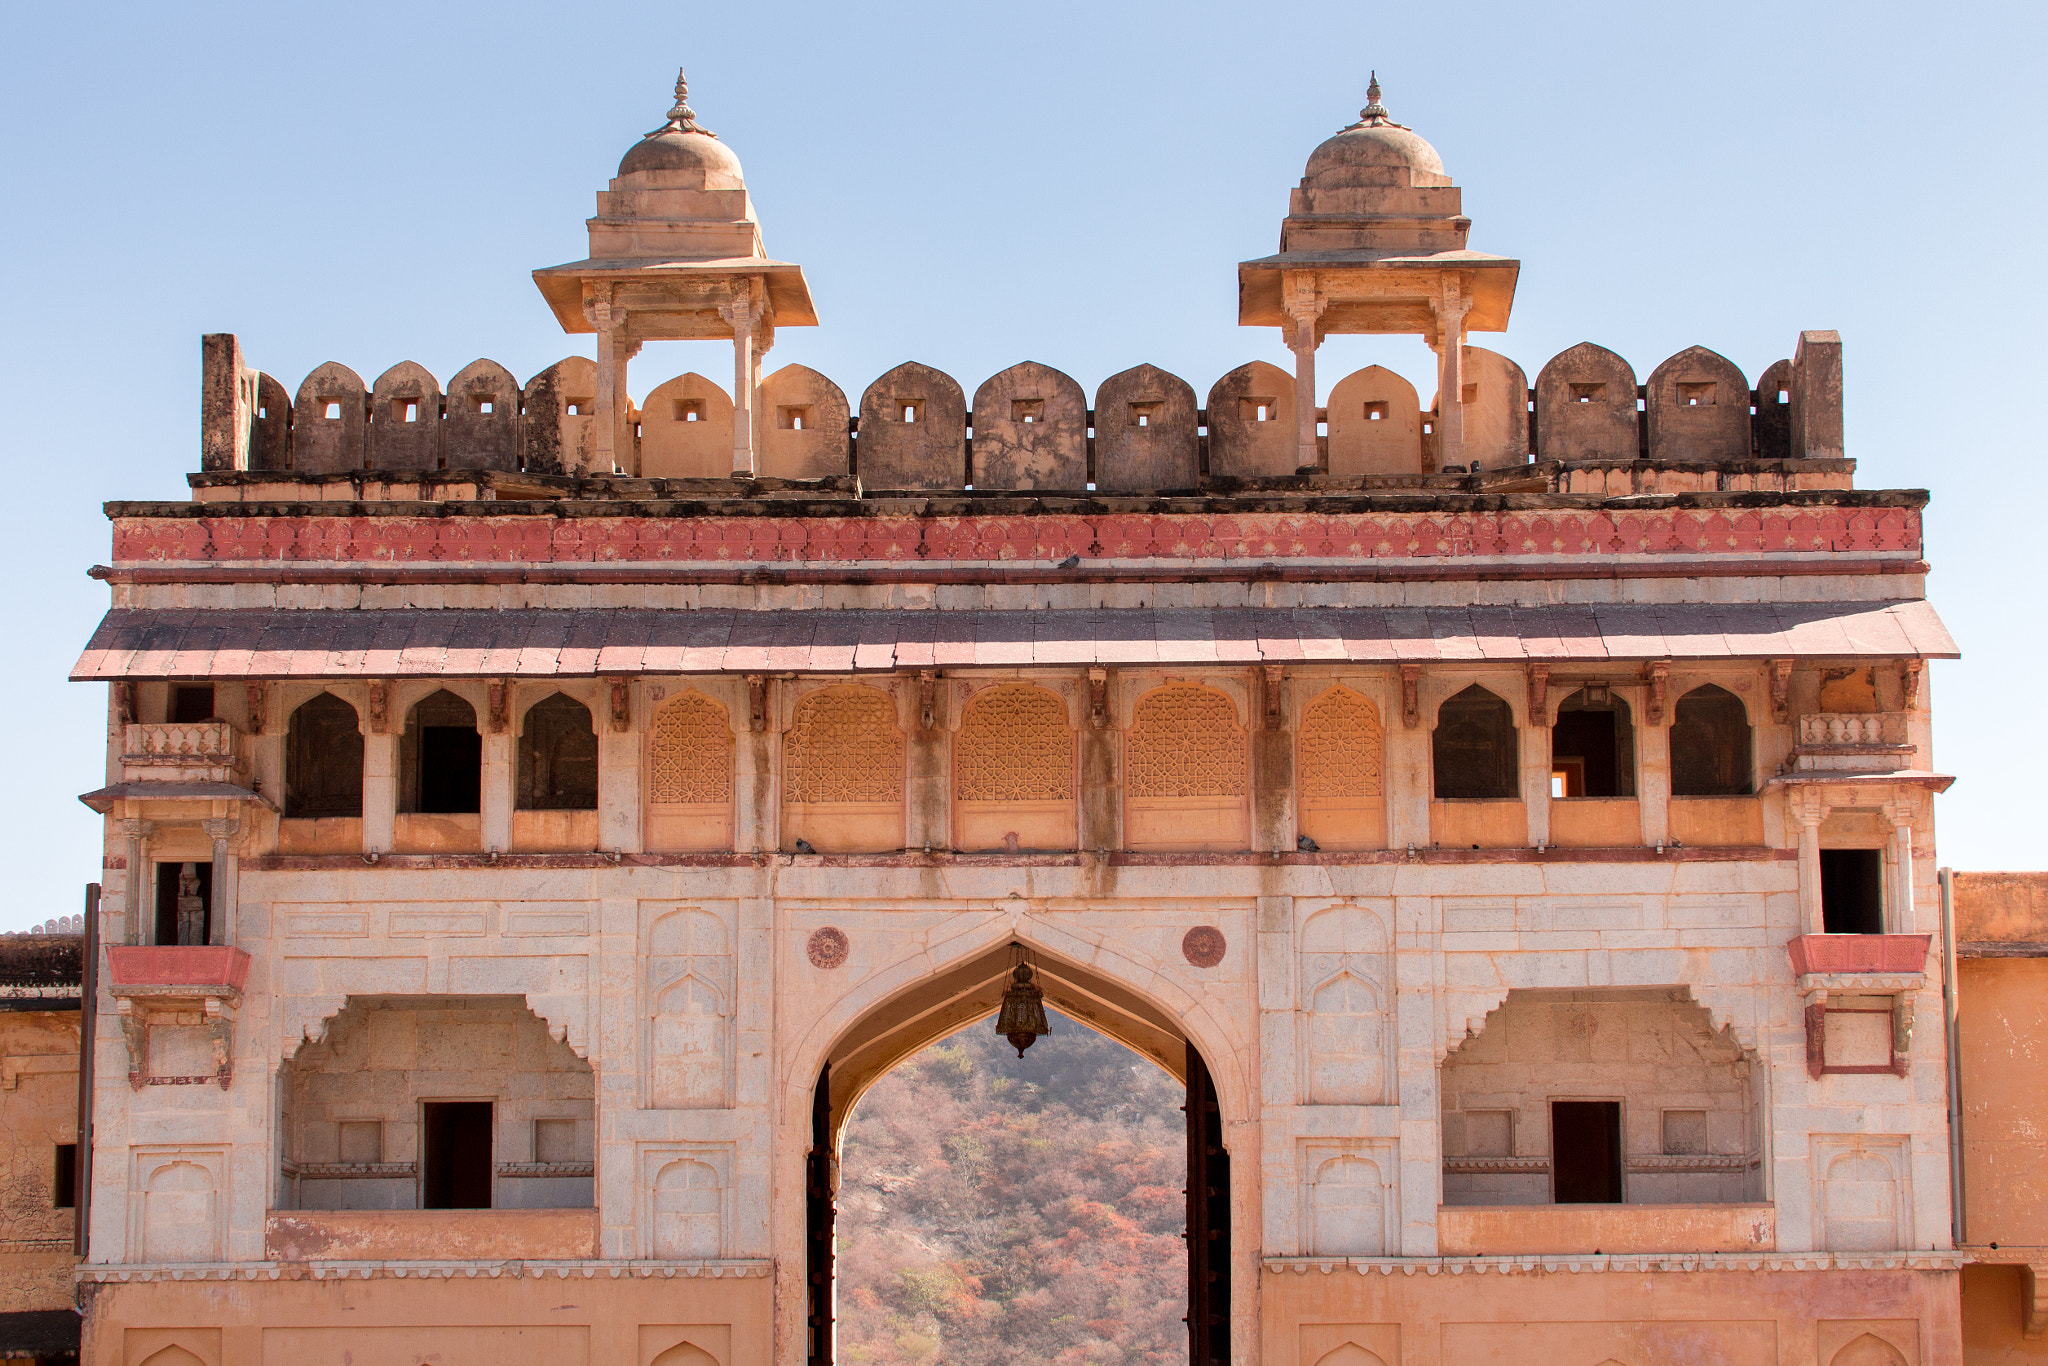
973 185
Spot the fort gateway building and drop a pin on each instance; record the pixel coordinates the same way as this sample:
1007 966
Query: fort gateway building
533 817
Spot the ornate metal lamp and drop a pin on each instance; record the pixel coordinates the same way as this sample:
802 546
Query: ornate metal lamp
1022 1018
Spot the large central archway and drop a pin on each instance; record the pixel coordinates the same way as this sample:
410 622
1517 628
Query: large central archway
972 990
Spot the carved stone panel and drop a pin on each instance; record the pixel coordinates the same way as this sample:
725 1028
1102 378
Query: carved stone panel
689 991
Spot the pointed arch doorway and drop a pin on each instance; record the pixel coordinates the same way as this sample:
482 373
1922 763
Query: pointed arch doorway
972 991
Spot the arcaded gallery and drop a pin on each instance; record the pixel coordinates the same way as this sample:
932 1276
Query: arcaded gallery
535 816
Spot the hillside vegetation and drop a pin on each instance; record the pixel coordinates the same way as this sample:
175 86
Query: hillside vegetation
995 1210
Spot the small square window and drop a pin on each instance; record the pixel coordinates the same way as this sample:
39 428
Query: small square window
330 409
1146 414
1587 393
1469 394
1700 395
1376 411
486 406
64 1182
582 407
793 418
405 410
909 408
1258 409
1027 410
689 410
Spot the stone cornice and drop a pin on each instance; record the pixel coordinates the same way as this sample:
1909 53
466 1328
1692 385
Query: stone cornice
130 1273
1634 1263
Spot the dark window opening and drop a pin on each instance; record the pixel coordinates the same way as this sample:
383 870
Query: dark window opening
1593 747
1585 1152
441 758
456 1163
323 765
1710 745
184 903
191 702
1473 747
64 1181
1852 891
558 757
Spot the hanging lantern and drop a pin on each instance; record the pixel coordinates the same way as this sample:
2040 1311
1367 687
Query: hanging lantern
1023 1015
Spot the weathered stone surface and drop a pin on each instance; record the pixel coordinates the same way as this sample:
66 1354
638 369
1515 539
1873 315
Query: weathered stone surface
1699 408
1145 432
1030 430
802 425
1496 410
1251 423
559 430
1586 406
1375 425
330 422
482 427
686 430
913 431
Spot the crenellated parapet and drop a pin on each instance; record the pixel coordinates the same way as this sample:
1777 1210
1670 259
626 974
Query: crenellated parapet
1032 428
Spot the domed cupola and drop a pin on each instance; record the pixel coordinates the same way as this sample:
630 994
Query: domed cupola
680 147
1374 152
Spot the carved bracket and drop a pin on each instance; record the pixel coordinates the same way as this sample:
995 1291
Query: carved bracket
1411 695
1098 698
255 693
1276 674
622 706
1539 695
1909 682
140 1010
927 699
1658 676
498 693
380 706
1781 691
124 703
757 703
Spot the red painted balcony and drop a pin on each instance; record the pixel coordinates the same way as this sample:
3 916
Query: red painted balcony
162 966
1858 953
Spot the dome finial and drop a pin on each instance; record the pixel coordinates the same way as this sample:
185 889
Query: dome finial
1374 111
682 118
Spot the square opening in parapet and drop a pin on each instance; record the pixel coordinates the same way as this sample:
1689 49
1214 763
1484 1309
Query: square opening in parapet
1146 414
689 410
909 408
793 418
1697 395
1468 393
1258 409
1028 410
485 404
1376 411
330 409
582 407
1587 393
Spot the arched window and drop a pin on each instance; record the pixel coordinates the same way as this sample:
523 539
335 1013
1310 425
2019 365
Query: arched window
689 776
1013 771
842 772
1711 746
1341 776
1473 749
323 764
1187 772
1593 747
440 757
557 757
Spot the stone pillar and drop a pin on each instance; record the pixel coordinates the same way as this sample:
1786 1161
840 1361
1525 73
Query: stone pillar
1809 812
627 450
1653 773
1408 777
499 753
1419 1054
1304 310
1098 765
610 380
1273 814
927 807
1451 306
1536 756
135 886
754 824
1900 908
380 788
743 310
1279 1087
620 781
221 907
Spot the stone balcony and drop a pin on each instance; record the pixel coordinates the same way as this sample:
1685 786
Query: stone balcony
176 1005
182 752
1853 742
1534 1230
